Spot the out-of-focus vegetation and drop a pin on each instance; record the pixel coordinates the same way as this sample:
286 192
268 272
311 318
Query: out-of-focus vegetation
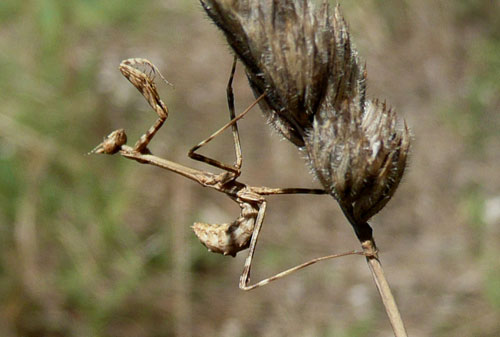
101 246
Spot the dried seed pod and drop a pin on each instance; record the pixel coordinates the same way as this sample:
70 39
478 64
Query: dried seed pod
293 53
359 156
303 59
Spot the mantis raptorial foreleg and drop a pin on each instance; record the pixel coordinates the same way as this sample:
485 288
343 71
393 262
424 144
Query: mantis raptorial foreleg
147 87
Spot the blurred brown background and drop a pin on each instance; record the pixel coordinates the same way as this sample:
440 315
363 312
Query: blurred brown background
101 246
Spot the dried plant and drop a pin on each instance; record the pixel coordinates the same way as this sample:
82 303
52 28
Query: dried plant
302 59
359 156
310 84
298 56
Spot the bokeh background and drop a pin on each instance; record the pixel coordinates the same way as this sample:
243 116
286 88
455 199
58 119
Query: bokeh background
102 246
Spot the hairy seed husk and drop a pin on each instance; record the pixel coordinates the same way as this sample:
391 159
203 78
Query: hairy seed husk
302 57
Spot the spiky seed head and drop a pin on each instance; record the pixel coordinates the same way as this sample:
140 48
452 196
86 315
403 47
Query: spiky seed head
303 59
359 156
290 52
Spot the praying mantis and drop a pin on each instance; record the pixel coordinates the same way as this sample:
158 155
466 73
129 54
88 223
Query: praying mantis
226 239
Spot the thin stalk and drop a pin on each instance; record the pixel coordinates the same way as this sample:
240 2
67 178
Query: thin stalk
364 232
383 288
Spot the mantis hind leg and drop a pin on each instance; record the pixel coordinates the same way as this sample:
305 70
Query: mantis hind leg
245 275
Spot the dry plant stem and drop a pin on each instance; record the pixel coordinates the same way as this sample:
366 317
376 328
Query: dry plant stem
371 253
365 236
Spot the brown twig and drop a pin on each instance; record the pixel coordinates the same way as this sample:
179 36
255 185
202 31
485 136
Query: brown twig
391 308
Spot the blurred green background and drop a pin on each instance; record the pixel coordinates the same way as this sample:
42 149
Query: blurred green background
101 246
